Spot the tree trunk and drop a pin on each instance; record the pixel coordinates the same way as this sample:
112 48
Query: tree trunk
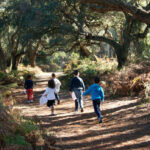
32 59
33 53
2 59
102 50
139 50
122 55
111 52
14 64
120 37
84 52
15 61
123 49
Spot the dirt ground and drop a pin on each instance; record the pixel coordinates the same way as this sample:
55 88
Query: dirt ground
126 125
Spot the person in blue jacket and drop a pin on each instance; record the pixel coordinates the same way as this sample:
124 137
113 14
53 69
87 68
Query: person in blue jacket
97 95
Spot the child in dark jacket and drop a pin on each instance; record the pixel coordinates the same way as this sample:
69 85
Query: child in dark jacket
28 85
77 86
97 95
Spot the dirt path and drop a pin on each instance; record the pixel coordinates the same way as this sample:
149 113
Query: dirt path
125 125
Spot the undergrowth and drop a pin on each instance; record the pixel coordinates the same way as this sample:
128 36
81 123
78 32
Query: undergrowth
88 70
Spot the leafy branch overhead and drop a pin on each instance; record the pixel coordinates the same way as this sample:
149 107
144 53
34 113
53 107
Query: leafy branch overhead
140 13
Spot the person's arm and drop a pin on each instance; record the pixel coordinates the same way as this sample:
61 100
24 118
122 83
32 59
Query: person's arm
71 86
88 91
45 93
55 90
59 83
32 83
25 85
83 85
102 94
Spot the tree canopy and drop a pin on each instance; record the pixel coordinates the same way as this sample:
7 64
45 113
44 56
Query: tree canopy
40 28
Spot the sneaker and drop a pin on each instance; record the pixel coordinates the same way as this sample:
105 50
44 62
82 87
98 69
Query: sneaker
82 110
100 120
31 101
58 102
52 114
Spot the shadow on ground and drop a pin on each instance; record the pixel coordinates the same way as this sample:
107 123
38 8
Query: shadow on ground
125 126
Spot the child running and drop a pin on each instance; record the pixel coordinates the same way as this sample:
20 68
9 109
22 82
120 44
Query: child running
97 95
28 85
57 86
50 94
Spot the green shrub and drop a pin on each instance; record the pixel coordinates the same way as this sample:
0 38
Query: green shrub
15 140
28 126
88 70
65 81
14 78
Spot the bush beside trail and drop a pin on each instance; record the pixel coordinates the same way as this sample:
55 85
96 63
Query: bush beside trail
16 132
132 80
88 70
19 133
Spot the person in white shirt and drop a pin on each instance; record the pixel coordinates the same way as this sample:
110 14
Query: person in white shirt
57 87
50 95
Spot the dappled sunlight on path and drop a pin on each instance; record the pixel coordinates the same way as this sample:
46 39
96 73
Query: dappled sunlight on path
125 125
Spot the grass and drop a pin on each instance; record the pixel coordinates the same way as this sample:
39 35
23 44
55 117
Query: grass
15 140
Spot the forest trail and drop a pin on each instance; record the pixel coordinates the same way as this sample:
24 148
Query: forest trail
125 126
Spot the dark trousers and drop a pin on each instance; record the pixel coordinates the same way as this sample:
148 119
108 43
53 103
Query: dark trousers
96 105
57 97
76 105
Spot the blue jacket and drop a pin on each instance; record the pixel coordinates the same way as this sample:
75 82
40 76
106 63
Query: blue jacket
96 92
78 83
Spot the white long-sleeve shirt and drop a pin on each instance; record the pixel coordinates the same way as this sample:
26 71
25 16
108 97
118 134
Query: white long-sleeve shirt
57 85
50 93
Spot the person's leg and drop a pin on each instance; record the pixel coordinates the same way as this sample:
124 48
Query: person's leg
48 104
57 98
81 100
78 94
96 105
76 105
28 96
77 100
31 95
52 110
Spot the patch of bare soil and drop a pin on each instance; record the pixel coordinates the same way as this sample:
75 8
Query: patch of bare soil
125 124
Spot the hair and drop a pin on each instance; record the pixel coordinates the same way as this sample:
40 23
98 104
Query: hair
76 72
28 77
51 84
53 75
97 80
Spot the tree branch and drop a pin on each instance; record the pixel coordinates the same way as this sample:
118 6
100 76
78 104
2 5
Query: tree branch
103 39
143 35
117 5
